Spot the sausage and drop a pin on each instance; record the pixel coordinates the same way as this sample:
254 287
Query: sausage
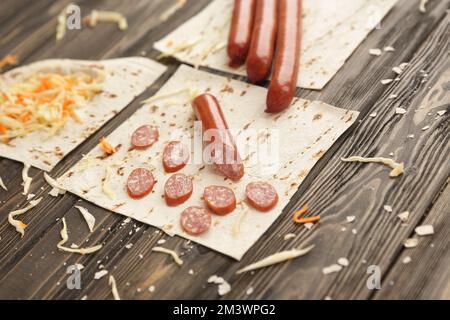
240 31
261 195
144 137
195 220
175 156
220 200
287 57
140 183
178 189
262 46
225 154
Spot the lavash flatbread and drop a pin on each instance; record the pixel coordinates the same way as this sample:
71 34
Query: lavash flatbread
306 131
125 79
332 30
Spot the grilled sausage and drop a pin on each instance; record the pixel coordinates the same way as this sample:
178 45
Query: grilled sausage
240 31
287 57
225 155
262 46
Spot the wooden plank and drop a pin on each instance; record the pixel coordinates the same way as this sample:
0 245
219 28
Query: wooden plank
19 259
362 190
427 275
150 271
15 19
44 220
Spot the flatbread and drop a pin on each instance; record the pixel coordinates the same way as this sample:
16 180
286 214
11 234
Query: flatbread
125 79
332 30
306 131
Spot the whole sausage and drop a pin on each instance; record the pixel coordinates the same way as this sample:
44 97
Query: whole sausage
195 220
261 195
287 56
140 183
262 46
225 155
220 200
144 137
178 189
240 31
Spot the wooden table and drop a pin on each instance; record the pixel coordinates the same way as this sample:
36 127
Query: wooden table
33 268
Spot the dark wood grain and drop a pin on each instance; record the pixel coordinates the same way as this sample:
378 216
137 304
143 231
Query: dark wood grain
32 267
426 276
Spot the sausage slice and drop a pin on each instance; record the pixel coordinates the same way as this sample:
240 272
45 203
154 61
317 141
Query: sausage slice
220 200
261 195
144 137
140 183
195 220
178 189
175 156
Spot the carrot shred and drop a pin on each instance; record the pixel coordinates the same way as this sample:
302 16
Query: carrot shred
107 147
45 100
25 117
300 212
308 220
8 60
75 116
45 84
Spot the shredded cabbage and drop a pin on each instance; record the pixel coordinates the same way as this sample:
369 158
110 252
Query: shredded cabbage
45 101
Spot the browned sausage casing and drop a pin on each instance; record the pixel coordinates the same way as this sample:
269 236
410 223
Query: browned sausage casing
287 57
262 46
209 112
240 31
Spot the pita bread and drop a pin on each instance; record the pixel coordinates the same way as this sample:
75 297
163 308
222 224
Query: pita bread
299 137
332 30
125 79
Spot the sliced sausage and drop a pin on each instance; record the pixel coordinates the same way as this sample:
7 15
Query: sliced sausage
240 31
224 155
144 137
178 189
261 195
232 171
220 200
262 46
175 156
287 57
195 220
140 183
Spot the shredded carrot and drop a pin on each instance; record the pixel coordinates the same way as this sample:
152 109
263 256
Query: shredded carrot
8 60
107 147
308 220
45 84
44 101
75 116
300 212
25 117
